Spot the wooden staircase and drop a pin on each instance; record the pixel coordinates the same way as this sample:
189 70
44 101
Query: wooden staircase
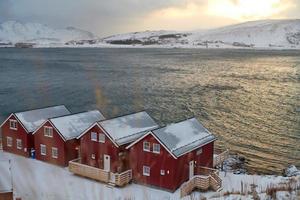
208 180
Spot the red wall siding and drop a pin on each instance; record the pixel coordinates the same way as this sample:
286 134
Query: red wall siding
55 141
204 159
71 150
6 196
156 162
21 133
178 168
89 147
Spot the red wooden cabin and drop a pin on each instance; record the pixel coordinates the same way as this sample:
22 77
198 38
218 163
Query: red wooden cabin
167 157
17 129
103 144
55 140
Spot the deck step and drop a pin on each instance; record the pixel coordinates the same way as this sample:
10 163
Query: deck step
219 189
111 185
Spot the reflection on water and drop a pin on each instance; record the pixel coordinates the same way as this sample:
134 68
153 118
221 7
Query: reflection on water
248 98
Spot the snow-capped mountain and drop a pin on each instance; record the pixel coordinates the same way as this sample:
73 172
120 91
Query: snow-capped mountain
35 33
269 34
256 34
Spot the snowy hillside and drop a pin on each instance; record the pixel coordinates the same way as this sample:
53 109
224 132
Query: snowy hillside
16 32
257 34
266 34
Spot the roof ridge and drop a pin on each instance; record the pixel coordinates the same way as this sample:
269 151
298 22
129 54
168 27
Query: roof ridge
40 108
135 133
71 114
126 115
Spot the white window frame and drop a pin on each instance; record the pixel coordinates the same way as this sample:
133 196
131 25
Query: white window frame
41 150
19 144
144 145
54 152
101 137
94 134
155 150
13 124
9 141
48 131
146 170
162 172
93 156
199 152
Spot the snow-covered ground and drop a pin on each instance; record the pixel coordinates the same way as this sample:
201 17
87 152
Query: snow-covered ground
263 34
34 179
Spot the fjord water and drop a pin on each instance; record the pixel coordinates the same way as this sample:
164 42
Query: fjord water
249 99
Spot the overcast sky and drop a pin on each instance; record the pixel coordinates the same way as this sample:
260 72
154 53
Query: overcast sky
106 17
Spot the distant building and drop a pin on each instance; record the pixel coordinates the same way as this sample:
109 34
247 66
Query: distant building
17 129
55 140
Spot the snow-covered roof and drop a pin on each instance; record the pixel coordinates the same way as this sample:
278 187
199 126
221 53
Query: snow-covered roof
5 180
128 128
184 136
71 126
32 119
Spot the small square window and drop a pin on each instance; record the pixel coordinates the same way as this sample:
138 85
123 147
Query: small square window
199 151
93 156
146 146
162 172
101 138
19 144
94 136
156 148
43 150
146 171
13 124
48 131
9 141
54 152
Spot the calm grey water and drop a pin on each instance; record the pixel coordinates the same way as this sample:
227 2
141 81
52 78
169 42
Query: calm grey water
249 99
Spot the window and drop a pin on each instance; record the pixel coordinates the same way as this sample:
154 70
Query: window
146 146
19 144
13 124
162 172
93 156
199 152
48 131
9 141
43 150
146 171
54 152
94 136
101 138
156 148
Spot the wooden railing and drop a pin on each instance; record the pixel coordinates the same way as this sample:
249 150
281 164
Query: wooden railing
120 179
220 158
123 178
88 171
209 179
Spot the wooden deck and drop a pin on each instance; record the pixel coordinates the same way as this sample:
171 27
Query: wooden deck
206 179
118 179
220 158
